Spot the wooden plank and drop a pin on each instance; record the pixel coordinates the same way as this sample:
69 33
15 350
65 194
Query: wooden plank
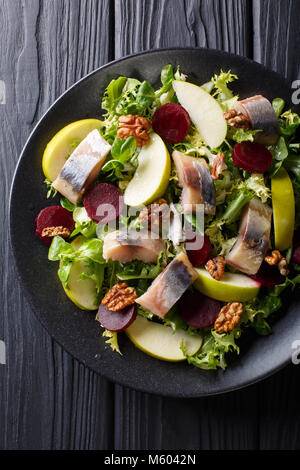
183 424
47 399
150 24
276 45
276 35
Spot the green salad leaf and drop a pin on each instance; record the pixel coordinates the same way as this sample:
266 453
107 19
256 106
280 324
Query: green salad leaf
214 349
112 340
123 149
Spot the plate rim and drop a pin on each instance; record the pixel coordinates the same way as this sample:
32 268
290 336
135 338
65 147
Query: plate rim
227 389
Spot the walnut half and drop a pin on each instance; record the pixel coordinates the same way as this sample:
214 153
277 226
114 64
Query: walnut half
228 317
216 267
276 259
119 297
153 215
237 120
135 126
56 231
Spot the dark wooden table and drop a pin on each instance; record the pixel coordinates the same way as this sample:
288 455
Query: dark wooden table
47 399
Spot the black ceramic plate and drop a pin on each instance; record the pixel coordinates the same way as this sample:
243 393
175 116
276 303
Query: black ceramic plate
76 330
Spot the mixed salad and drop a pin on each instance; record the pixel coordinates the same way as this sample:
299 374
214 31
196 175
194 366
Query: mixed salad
177 217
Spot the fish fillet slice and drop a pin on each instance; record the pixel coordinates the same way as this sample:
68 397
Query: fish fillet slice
195 179
248 252
169 286
261 114
82 167
125 247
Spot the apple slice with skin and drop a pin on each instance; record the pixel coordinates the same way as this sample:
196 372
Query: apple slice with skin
160 341
283 201
232 287
204 111
151 178
62 145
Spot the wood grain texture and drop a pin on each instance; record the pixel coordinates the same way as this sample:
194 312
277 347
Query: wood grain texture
150 24
177 424
276 39
47 400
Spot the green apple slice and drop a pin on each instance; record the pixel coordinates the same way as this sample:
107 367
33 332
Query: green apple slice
204 111
82 292
160 341
232 287
62 145
151 178
283 201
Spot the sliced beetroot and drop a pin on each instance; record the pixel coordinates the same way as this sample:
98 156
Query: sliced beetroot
197 310
104 203
53 216
172 122
268 276
296 255
197 256
252 157
117 321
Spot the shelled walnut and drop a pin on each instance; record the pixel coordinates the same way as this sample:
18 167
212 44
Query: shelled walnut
228 317
135 126
216 267
236 119
119 297
56 231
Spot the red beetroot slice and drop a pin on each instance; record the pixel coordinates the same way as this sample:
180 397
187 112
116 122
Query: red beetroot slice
117 321
171 122
268 276
252 157
296 255
53 216
197 310
104 203
198 256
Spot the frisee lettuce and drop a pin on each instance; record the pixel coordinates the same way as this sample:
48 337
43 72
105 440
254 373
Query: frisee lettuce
112 340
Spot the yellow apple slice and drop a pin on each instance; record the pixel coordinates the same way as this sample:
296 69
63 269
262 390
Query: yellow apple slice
82 292
205 112
160 341
283 201
62 145
232 287
151 178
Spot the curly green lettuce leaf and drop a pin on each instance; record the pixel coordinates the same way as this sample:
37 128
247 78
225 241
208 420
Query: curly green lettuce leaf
289 123
137 269
256 312
112 340
214 348
51 192
222 92
256 183
241 135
